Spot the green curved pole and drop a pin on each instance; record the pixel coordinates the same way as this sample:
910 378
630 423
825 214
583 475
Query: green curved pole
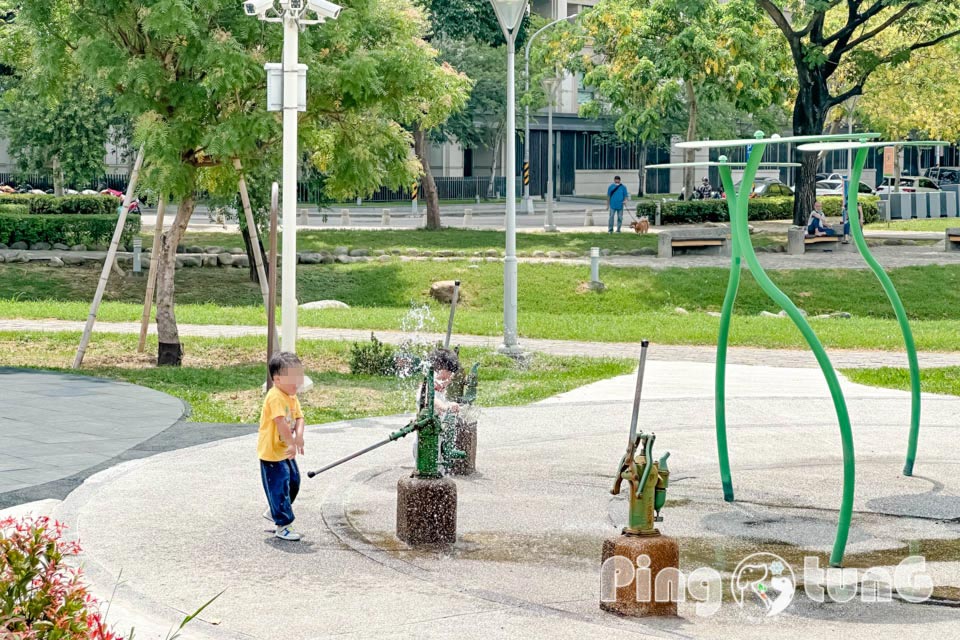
726 315
846 435
894 297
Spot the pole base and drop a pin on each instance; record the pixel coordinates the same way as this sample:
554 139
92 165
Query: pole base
513 351
654 553
427 511
528 202
466 441
550 228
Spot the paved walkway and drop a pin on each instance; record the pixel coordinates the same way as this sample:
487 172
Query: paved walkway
54 425
841 358
532 522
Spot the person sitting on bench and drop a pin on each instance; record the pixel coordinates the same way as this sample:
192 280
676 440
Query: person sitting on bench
817 223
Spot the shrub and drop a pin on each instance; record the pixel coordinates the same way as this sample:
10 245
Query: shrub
41 596
18 209
699 211
372 358
65 228
47 205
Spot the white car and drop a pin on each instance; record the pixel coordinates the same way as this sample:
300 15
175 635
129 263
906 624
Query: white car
89 192
835 188
910 184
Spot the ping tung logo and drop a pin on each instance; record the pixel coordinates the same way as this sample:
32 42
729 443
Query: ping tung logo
764 580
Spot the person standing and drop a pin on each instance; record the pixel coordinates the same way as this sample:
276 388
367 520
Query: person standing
617 195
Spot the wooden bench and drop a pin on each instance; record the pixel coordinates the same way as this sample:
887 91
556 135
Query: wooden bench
798 241
708 240
953 239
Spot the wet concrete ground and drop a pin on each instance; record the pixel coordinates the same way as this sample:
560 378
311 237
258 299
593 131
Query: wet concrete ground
185 525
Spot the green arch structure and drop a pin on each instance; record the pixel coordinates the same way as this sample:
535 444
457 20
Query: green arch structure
742 250
862 148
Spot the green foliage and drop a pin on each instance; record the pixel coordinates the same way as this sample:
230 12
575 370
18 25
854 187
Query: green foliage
68 229
18 209
372 358
46 204
760 209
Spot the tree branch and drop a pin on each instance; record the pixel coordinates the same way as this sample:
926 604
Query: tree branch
793 38
855 20
886 24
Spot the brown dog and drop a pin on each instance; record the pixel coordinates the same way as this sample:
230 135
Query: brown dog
641 226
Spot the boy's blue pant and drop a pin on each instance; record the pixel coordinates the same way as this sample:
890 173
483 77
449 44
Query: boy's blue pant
281 482
619 215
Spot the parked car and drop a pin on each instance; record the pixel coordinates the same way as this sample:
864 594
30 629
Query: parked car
835 188
768 188
829 176
943 175
910 184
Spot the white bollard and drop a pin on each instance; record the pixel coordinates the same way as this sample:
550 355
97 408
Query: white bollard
595 264
657 219
588 218
345 217
467 217
304 217
385 218
137 248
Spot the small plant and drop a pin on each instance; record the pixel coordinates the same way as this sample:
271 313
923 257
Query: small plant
41 597
372 358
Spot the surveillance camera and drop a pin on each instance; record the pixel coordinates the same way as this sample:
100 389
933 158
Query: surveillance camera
324 9
257 7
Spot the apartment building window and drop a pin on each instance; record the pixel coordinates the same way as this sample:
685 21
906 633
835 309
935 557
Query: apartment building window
600 151
584 94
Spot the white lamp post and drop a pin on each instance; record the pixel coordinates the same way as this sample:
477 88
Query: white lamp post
550 86
510 14
293 15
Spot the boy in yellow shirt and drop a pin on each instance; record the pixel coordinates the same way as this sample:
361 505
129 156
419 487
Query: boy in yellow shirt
279 441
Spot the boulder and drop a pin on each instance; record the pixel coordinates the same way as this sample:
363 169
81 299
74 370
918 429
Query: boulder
603 252
384 258
56 262
553 254
412 252
569 254
191 261
40 246
492 253
210 261
442 291
446 253
242 262
714 314
680 311
237 251
213 250
326 259
78 247
379 252
2 259
310 258
783 314
59 246
359 253
343 259
325 304
426 254
99 247
3 247
225 259
178 264
396 252
341 251
767 314
73 260
19 246
194 249
648 251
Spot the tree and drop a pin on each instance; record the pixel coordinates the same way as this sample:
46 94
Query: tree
654 58
825 36
190 74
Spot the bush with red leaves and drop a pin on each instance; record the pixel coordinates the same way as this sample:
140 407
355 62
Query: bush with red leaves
41 596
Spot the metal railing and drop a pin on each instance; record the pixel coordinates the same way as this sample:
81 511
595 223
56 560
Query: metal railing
45 181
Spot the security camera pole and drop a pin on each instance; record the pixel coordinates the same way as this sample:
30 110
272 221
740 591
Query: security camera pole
292 13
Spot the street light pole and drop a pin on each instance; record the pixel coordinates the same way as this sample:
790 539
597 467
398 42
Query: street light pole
510 14
291 47
526 109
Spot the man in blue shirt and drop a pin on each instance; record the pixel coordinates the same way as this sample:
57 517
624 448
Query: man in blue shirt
617 194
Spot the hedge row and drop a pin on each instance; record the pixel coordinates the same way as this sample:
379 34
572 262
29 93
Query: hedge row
698 211
53 205
68 228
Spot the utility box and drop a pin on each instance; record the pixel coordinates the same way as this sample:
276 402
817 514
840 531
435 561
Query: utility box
275 86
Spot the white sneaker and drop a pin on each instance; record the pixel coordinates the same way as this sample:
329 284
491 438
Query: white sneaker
288 534
267 515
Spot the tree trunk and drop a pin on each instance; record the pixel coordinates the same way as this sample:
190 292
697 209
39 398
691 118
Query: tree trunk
643 171
809 118
57 176
251 256
690 155
169 350
493 170
422 149
896 169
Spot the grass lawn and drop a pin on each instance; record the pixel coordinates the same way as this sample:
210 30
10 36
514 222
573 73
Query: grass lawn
933 224
944 380
467 240
639 302
221 378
